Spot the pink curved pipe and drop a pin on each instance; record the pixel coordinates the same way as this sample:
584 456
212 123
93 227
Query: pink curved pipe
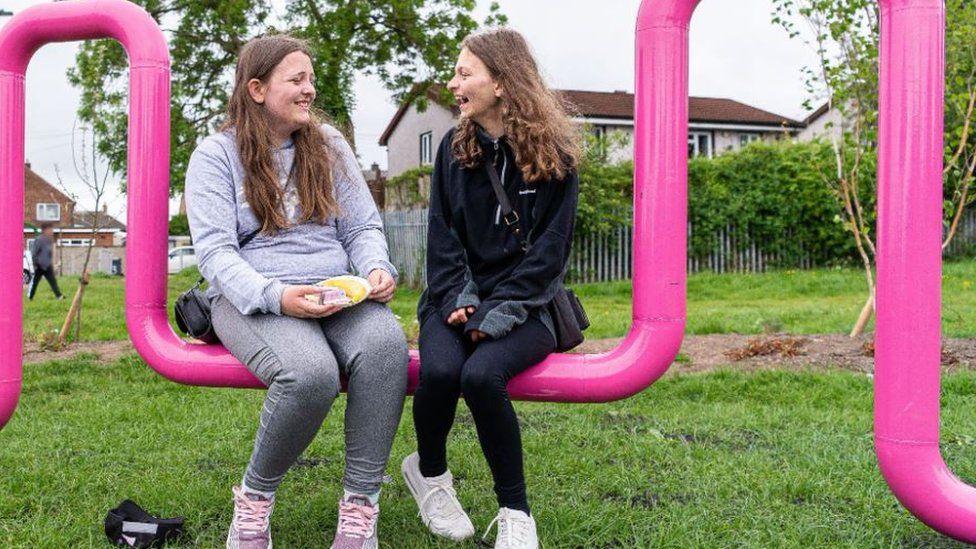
908 342
660 213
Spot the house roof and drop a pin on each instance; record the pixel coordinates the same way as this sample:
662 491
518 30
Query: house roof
620 105
433 95
85 220
816 114
31 177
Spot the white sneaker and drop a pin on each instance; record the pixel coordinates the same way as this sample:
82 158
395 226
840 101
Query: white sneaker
440 509
516 530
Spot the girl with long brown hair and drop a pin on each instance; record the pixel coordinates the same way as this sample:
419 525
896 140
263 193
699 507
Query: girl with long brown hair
277 202
482 315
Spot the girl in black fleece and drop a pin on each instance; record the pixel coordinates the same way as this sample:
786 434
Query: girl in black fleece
482 316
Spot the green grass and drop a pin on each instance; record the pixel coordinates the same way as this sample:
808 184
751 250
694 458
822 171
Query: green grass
800 302
726 459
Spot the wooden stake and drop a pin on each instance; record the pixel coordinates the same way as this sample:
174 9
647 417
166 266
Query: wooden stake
865 315
73 311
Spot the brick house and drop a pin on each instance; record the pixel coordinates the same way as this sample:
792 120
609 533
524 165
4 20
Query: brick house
43 202
715 125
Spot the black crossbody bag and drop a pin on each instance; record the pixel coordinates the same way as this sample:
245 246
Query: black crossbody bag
192 308
568 316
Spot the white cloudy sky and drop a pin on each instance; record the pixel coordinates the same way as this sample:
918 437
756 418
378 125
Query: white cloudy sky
581 44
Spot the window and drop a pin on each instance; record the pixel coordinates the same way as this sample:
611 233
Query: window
426 148
746 138
699 144
49 212
74 242
600 133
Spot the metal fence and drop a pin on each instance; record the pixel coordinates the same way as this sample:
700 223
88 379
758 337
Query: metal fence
608 257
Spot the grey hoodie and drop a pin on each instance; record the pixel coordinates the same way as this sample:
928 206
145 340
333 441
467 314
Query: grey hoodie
254 278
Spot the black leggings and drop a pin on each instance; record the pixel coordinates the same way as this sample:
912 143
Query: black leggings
450 364
49 275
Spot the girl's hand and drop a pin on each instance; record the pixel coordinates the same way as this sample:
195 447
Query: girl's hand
460 316
293 303
383 285
478 335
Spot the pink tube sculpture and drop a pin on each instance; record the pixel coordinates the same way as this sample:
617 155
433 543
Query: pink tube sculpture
660 212
908 343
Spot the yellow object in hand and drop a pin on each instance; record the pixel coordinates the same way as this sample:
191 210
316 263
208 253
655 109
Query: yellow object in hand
357 289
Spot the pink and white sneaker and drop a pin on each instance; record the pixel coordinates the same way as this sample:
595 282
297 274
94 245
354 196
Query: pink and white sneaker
251 527
357 524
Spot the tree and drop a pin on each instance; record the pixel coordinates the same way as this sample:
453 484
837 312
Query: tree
401 41
85 159
845 36
960 136
179 225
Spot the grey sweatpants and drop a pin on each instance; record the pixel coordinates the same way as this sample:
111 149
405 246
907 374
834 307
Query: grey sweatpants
300 361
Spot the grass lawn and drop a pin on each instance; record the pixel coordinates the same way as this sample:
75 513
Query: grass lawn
799 302
719 459
725 459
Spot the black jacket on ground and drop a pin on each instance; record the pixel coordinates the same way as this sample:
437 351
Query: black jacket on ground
473 257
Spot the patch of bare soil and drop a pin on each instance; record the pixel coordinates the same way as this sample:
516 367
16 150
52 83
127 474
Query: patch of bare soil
699 353
107 351
821 351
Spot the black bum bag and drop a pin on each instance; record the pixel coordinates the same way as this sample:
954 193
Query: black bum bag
192 308
128 525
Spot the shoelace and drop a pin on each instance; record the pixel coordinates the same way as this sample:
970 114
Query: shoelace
251 515
510 529
356 520
442 505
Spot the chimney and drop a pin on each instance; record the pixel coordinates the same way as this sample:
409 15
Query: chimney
27 165
104 208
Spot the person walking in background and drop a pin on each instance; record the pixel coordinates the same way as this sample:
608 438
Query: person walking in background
42 253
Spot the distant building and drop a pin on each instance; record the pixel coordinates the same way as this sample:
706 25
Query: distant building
43 202
714 125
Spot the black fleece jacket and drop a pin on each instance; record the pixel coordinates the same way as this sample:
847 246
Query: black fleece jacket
474 259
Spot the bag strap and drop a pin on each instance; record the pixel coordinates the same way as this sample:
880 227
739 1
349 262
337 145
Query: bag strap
508 214
243 242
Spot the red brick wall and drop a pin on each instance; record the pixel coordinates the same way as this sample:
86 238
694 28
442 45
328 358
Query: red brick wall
36 191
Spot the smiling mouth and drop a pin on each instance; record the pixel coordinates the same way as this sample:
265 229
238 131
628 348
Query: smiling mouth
461 100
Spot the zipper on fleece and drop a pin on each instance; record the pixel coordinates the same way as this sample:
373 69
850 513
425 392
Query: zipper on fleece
498 210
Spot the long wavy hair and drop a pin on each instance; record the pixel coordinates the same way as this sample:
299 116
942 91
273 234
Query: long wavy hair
537 121
312 172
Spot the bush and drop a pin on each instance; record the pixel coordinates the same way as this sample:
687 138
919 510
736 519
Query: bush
179 225
773 195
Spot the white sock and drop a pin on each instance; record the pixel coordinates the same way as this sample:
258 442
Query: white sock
246 490
373 498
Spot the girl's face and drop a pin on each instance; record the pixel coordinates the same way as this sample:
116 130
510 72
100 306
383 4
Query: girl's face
476 92
287 94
